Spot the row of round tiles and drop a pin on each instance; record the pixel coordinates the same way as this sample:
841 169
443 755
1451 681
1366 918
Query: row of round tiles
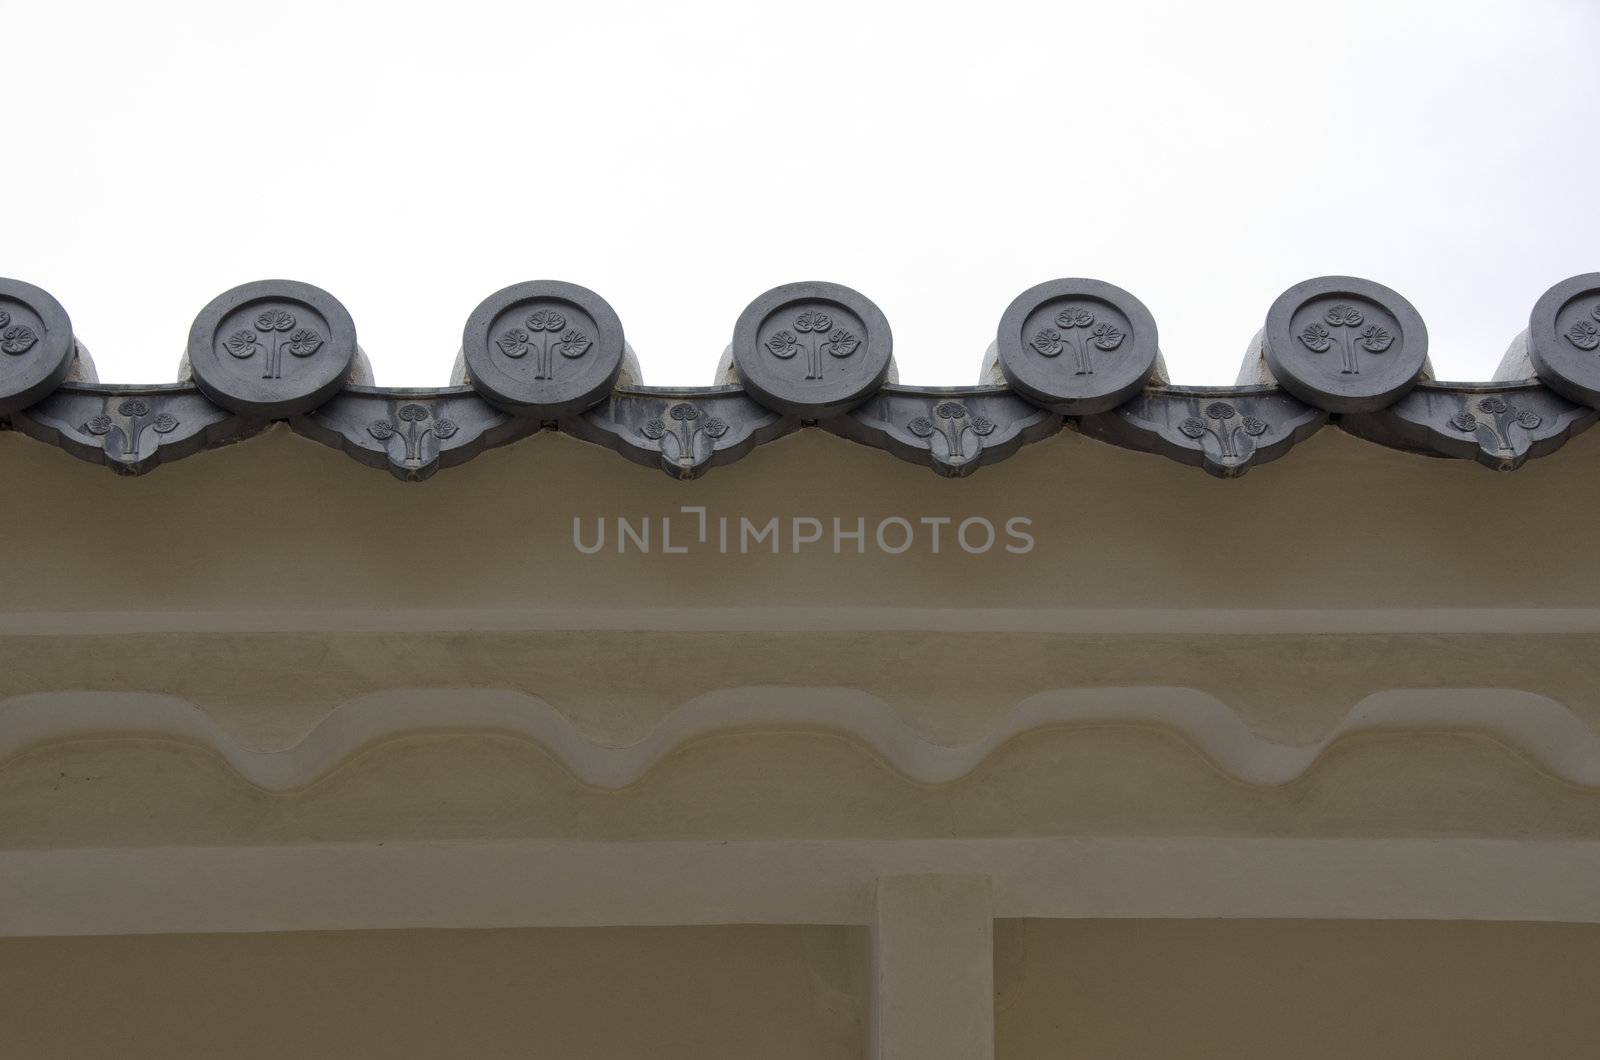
547 349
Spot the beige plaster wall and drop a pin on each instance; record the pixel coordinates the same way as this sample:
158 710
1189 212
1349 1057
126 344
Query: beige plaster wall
246 584
1311 990
162 637
281 522
1094 782
1064 989
268 691
778 993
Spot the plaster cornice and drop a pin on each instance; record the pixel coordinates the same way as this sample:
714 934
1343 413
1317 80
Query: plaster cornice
1548 735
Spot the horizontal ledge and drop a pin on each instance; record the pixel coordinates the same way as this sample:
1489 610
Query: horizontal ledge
644 619
1546 733
585 884
952 431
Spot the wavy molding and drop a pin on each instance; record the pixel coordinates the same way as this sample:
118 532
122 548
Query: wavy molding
1546 732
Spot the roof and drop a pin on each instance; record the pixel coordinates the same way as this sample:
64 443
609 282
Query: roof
1074 354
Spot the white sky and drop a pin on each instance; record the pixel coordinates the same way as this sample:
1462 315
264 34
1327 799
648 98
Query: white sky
681 157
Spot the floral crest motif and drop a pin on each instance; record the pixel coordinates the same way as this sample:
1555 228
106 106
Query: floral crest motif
304 342
1218 423
546 320
274 320
134 416
1317 337
241 343
1583 334
952 422
1498 417
17 339
679 440
574 344
1345 318
267 334
821 336
813 320
784 345
411 429
841 343
1049 342
516 342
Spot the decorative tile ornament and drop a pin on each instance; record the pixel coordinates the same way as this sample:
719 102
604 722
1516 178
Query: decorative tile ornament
549 354
272 349
543 349
812 350
953 431
412 434
1564 338
132 429
1225 430
36 344
1345 344
1500 425
1077 346
682 432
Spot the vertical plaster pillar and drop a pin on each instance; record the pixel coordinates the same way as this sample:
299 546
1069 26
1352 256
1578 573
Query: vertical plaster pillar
933 969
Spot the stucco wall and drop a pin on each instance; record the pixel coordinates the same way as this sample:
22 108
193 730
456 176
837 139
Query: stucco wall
271 691
1064 990
1307 989
778 993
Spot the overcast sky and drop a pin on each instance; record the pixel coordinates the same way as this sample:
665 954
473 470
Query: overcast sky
680 158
